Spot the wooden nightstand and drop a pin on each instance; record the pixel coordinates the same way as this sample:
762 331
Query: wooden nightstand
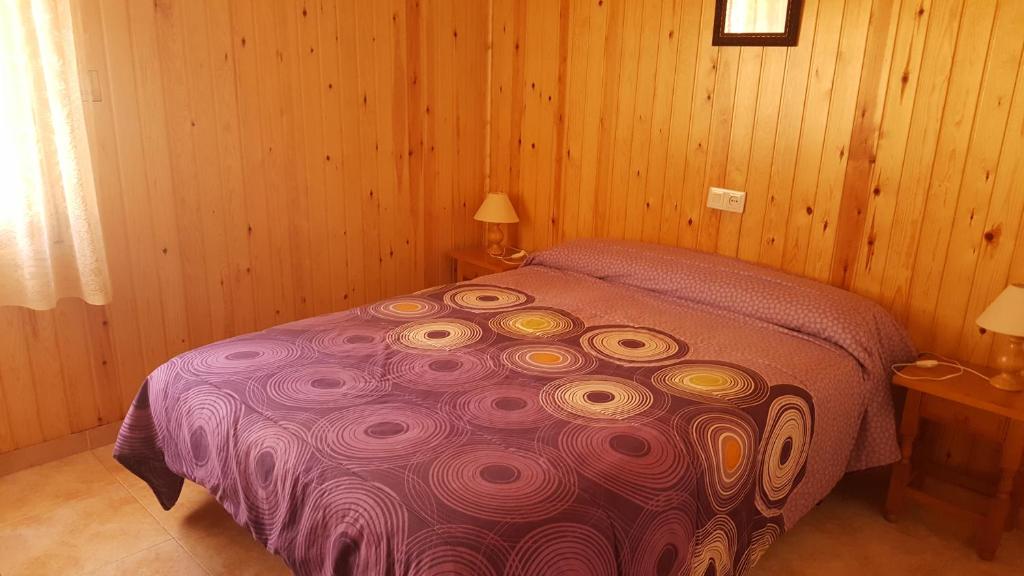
473 262
967 402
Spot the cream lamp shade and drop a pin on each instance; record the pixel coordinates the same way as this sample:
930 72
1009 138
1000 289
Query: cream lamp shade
1005 315
496 209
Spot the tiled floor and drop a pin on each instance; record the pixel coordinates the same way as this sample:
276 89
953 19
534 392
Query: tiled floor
87 515
847 536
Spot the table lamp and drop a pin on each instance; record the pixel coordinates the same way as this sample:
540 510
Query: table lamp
1005 315
496 210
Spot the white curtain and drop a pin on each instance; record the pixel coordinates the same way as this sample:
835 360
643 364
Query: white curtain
50 238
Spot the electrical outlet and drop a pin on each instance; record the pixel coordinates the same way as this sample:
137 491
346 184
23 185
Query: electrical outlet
725 199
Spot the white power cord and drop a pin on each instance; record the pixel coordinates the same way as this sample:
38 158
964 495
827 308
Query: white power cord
933 363
516 257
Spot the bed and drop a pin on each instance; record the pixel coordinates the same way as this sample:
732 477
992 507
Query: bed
608 408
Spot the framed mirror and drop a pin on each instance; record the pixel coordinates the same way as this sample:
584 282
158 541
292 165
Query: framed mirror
757 22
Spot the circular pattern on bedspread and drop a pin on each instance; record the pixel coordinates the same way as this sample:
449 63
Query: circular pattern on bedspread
203 418
484 298
354 534
645 464
443 371
633 346
546 359
267 466
237 356
502 484
726 444
759 542
714 547
324 386
456 551
406 308
784 450
509 406
432 335
597 400
564 548
357 339
536 323
715 382
380 435
660 541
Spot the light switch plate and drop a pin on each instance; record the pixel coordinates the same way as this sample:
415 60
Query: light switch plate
728 200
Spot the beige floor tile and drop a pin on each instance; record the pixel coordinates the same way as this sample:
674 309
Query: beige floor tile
105 456
201 525
44 488
223 547
167 559
847 536
213 538
80 536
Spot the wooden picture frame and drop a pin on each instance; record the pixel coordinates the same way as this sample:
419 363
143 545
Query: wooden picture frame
789 37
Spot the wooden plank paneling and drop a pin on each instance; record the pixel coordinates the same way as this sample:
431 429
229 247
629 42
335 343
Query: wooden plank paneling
1005 221
784 156
934 211
982 162
19 391
817 252
864 136
236 139
669 55
741 141
878 154
822 86
254 163
882 154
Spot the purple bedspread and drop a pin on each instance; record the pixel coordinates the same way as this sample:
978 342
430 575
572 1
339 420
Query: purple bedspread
609 408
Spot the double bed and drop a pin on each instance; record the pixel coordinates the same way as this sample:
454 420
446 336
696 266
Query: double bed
608 408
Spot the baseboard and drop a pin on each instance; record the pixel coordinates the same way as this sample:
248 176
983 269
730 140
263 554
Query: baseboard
22 458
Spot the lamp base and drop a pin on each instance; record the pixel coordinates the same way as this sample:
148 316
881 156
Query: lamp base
494 238
1010 364
1007 381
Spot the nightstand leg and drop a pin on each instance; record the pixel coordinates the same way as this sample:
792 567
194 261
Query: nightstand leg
992 527
901 471
1016 503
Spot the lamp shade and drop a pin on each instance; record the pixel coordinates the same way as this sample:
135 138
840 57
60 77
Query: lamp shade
1005 315
496 209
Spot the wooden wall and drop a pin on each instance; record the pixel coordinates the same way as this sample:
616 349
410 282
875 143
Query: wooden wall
265 160
257 161
883 154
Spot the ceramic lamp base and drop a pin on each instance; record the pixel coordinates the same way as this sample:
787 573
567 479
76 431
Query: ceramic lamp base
1008 382
1011 364
494 239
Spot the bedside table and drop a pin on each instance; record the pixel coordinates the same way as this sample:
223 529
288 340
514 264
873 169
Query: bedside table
971 403
473 262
